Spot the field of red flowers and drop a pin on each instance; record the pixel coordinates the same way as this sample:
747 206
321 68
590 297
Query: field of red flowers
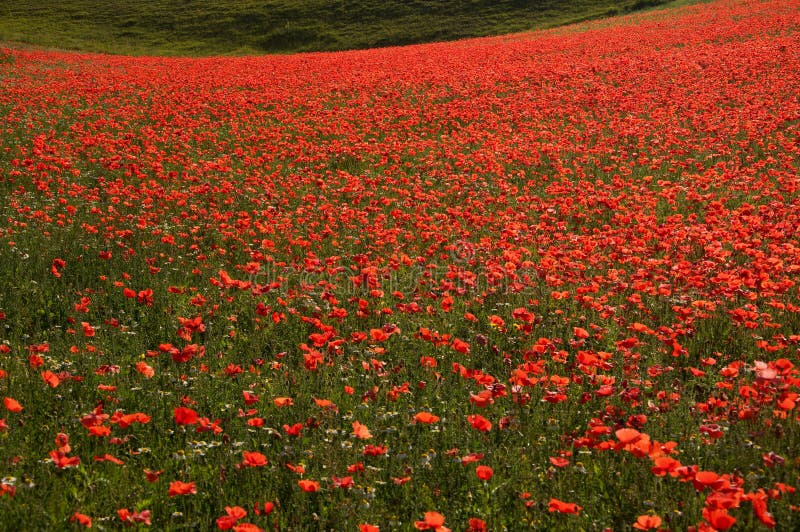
540 281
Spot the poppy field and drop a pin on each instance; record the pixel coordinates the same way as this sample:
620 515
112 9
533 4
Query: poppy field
546 280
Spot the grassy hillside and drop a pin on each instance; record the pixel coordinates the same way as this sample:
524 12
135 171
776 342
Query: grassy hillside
198 27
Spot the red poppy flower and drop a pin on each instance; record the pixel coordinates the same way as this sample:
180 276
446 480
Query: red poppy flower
324 403
152 476
375 450
479 422
432 521
126 420
57 266
181 488
309 486
580 332
283 401
99 431
343 483
88 330
51 378
647 522
627 436
484 472
185 416
471 457
720 519
664 465
81 519
12 405
461 346
267 508
62 441
426 417
145 369
61 460
300 469
247 527
128 517
254 459
482 399
563 507
361 431
476 525
703 479
109 458
249 397
355 468
378 335
255 422
232 515
293 430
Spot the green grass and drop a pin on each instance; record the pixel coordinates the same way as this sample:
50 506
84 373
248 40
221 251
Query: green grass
195 27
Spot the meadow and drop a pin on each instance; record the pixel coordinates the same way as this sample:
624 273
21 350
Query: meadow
199 27
539 281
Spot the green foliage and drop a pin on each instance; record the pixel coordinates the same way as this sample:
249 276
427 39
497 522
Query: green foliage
195 27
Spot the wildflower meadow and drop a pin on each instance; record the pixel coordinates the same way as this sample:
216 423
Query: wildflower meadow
546 281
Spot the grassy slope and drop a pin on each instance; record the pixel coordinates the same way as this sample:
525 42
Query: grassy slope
198 27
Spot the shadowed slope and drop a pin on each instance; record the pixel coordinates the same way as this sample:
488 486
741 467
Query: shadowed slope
197 27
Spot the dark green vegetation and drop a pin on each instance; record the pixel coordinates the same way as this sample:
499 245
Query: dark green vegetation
199 27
